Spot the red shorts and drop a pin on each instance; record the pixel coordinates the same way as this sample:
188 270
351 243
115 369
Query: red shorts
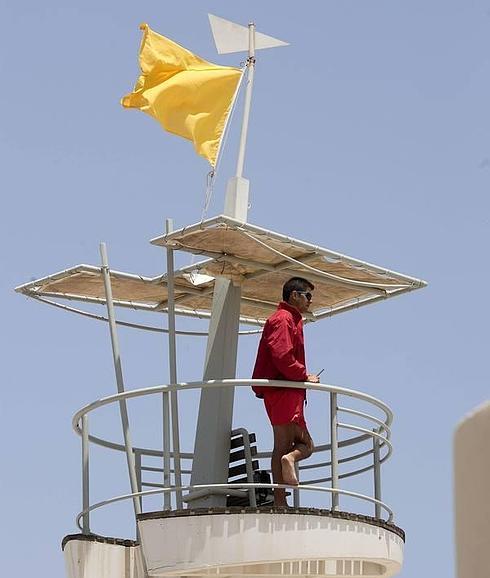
285 405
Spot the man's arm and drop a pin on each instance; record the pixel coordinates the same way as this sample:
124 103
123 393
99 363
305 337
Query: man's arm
280 343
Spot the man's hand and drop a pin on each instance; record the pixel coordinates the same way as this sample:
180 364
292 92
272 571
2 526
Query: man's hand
312 378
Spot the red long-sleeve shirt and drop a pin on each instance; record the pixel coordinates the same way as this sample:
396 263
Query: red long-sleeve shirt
281 353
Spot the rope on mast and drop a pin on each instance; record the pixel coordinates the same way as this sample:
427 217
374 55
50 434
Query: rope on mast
211 176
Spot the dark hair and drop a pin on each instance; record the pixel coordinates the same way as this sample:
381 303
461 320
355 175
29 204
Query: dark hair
295 284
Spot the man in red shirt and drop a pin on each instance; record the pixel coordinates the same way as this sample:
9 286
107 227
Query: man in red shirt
281 356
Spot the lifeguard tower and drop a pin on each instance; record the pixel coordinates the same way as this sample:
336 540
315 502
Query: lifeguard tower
218 517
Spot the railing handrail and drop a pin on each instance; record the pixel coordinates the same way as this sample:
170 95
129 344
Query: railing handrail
186 386
232 486
379 435
382 426
190 455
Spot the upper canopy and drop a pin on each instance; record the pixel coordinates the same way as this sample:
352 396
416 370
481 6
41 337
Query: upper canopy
258 260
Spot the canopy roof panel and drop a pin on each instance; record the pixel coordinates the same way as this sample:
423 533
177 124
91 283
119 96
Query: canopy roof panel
260 261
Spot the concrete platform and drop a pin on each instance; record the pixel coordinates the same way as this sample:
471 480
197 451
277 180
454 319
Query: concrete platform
269 542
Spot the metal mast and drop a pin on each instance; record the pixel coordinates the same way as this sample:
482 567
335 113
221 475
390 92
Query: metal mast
212 442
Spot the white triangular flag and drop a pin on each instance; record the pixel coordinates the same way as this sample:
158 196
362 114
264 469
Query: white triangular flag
231 37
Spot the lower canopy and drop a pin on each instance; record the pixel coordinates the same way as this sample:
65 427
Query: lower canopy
257 260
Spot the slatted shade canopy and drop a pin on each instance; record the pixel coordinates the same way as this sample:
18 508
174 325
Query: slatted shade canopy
258 260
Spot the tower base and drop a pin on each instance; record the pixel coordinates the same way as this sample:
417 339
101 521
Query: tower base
91 556
268 542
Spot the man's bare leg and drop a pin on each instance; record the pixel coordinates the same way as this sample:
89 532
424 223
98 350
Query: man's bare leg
302 449
291 444
283 444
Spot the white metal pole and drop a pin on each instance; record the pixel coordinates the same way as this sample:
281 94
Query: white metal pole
119 377
166 448
172 354
212 441
248 99
333 450
85 475
167 496
377 476
139 478
296 497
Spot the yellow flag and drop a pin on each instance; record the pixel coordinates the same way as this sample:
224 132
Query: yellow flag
189 96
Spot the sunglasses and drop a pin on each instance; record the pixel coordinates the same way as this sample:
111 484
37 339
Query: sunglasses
307 294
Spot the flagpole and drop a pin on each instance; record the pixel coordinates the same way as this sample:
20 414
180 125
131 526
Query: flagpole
248 99
236 199
221 352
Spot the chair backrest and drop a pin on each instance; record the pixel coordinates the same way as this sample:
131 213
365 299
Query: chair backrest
245 469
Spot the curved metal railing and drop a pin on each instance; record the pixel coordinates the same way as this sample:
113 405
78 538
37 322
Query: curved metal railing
231 488
377 432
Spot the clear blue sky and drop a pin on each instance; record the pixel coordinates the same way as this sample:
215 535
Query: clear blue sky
370 135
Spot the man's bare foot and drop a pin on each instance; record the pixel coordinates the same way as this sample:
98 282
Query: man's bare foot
288 471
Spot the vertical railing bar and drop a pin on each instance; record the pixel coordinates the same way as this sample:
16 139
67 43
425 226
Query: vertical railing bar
85 475
123 410
172 353
333 449
296 500
377 475
137 466
166 448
